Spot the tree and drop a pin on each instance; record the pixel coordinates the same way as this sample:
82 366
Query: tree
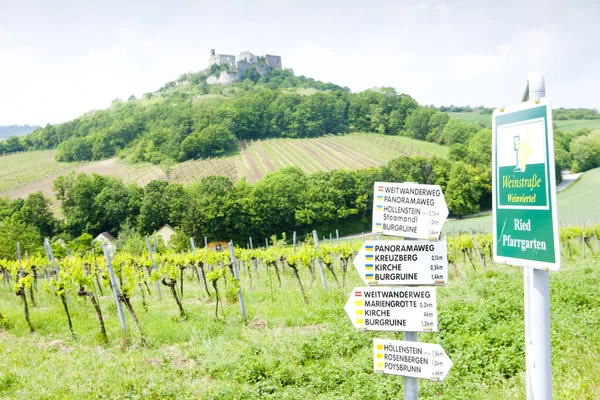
456 131
83 216
464 190
252 74
212 140
437 122
154 210
178 201
74 149
329 198
418 123
562 161
275 199
62 187
179 241
36 212
112 206
585 151
479 149
13 230
206 214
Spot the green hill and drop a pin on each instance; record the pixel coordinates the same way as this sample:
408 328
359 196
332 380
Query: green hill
189 118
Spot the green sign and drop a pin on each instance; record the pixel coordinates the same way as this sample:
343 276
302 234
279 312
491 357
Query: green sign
524 187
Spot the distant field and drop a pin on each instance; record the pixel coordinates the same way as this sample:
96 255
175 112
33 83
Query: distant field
573 125
29 172
577 203
25 173
327 153
473 116
19 169
567 125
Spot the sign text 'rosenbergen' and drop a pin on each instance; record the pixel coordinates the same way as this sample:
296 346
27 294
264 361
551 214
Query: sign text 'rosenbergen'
409 210
403 262
413 359
402 309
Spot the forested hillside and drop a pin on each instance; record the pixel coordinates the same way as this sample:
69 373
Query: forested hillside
189 119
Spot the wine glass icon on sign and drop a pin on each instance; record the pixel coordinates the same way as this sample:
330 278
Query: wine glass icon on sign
522 152
516 145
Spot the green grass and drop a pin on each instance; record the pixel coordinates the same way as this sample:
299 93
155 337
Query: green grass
473 116
296 351
578 203
573 125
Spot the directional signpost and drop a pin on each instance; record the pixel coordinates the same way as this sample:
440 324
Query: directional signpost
412 211
395 262
414 359
393 309
409 210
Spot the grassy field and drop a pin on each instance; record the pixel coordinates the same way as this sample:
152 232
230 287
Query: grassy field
253 160
294 351
578 203
573 125
486 120
473 116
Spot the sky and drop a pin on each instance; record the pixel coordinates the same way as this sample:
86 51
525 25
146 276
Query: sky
62 58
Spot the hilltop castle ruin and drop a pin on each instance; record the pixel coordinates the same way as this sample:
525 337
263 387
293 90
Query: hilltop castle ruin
263 65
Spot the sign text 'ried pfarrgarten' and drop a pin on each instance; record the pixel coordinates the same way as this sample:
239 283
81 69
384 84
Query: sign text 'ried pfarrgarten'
409 210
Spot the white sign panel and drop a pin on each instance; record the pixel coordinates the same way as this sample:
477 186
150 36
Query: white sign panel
412 359
409 210
403 262
404 309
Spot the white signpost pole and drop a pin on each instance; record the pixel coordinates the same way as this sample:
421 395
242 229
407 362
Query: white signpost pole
321 270
154 266
525 220
237 278
412 211
537 301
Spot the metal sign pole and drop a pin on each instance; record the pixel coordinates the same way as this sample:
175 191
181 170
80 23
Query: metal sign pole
194 252
153 264
411 385
537 304
294 242
321 270
50 255
115 287
237 278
